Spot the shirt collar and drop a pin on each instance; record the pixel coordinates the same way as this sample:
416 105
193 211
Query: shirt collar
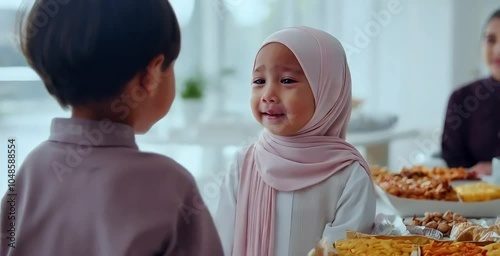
103 133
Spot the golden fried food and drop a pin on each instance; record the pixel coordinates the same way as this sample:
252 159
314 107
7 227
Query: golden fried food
478 192
436 220
374 247
493 249
453 249
423 188
376 171
449 174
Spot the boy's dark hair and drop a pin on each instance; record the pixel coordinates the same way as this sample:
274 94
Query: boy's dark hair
86 51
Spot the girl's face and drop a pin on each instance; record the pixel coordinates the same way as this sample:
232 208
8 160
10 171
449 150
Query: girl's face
282 99
491 47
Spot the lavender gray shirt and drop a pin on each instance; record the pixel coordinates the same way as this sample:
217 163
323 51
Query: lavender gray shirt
88 190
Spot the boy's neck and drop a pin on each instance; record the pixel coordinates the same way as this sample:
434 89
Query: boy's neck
98 113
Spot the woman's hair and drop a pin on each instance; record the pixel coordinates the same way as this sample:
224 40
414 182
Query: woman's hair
495 15
86 51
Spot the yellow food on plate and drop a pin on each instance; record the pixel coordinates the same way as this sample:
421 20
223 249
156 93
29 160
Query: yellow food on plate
375 247
478 192
493 249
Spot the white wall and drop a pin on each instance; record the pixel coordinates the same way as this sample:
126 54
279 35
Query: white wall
469 19
489 6
449 55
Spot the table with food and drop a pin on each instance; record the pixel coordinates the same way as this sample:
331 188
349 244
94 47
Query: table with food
424 212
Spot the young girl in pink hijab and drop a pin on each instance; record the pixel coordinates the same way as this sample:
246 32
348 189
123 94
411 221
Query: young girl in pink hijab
301 181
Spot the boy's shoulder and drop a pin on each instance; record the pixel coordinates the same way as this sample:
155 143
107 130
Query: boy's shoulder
118 162
160 166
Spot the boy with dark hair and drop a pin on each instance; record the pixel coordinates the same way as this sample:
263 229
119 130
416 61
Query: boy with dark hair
88 190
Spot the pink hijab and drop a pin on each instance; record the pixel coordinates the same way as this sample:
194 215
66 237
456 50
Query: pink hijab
319 150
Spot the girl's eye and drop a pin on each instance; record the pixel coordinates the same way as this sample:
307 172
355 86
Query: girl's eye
259 81
288 81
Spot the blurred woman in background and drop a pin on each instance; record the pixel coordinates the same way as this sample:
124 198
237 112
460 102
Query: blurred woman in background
471 135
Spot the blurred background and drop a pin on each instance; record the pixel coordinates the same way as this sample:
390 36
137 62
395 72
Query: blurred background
405 56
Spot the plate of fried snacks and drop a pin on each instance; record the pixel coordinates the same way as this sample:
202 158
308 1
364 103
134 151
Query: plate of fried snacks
447 226
393 235
358 244
418 190
365 246
436 248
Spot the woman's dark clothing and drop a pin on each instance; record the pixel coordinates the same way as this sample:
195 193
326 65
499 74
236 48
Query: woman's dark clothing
472 126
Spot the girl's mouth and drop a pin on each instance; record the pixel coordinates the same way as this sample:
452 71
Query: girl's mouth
273 116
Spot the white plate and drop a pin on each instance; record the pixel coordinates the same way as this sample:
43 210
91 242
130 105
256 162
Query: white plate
406 207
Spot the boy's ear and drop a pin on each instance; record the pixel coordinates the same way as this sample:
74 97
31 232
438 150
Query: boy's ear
151 78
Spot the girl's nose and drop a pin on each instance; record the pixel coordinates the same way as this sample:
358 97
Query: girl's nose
269 95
